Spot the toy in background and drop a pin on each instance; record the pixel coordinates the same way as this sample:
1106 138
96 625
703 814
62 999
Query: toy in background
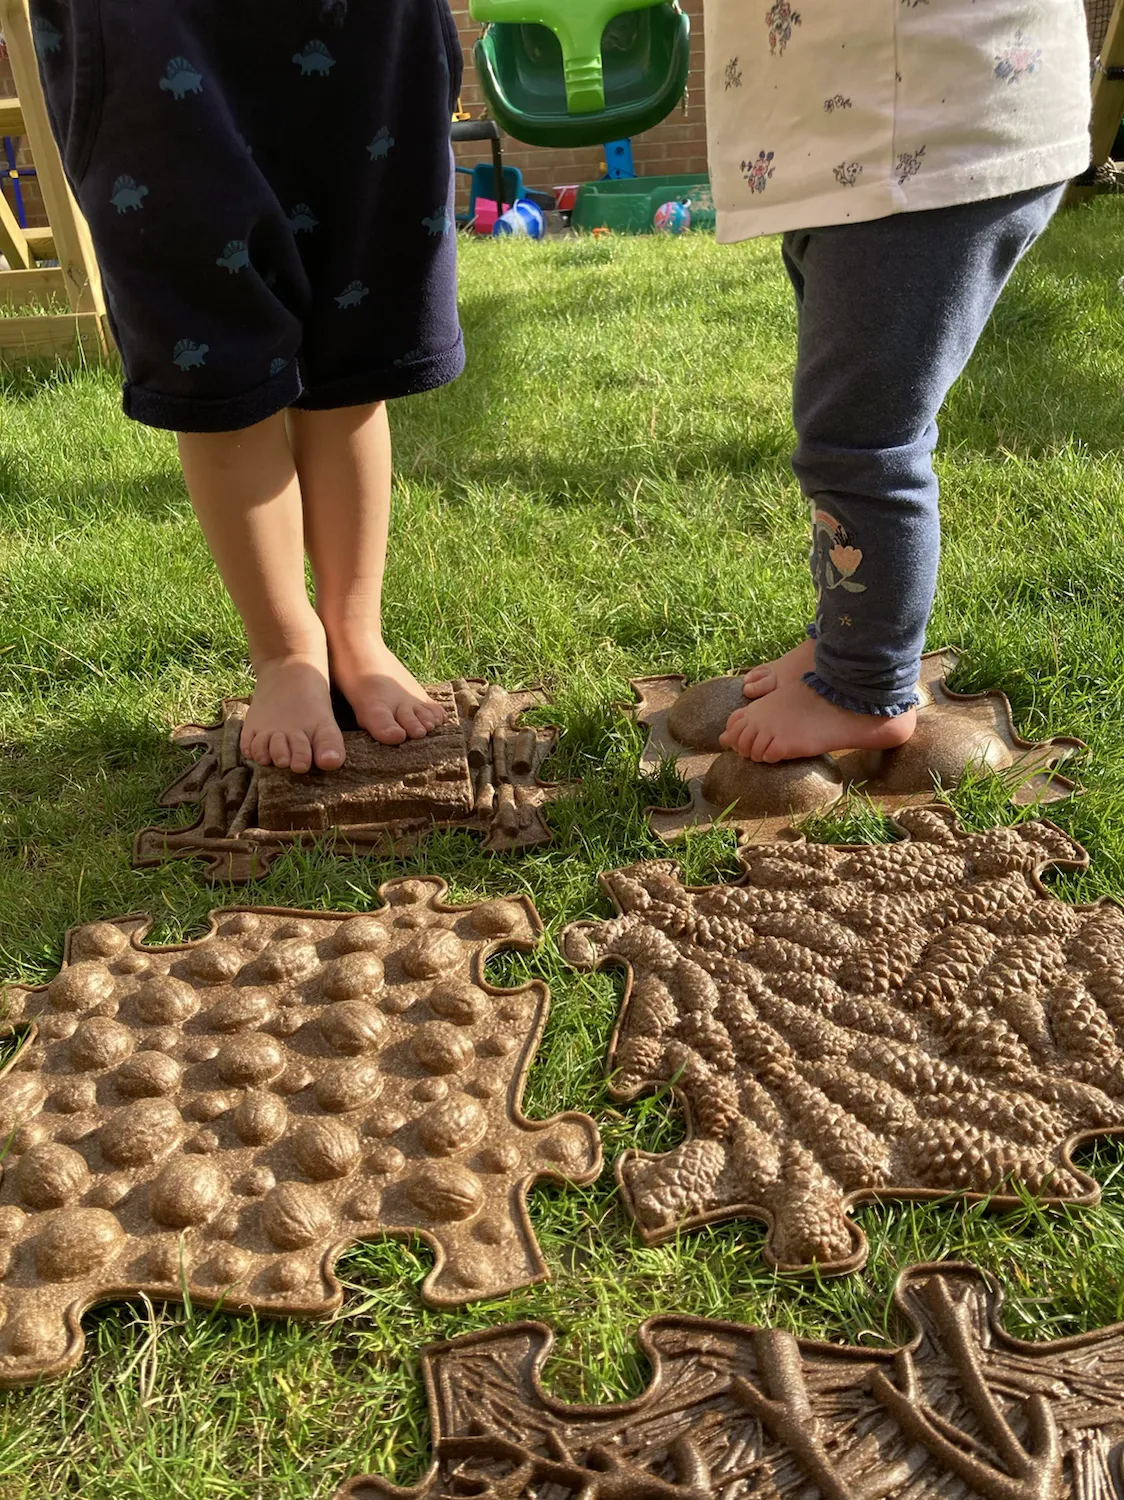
630 206
482 211
672 218
581 72
525 221
618 164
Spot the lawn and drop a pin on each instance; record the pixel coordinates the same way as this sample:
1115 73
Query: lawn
605 494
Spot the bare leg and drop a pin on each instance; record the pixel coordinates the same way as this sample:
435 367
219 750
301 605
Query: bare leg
343 458
245 491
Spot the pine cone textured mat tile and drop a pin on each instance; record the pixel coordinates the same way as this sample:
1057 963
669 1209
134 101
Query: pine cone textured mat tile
963 1409
479 770
848 1024
226 1116
956 733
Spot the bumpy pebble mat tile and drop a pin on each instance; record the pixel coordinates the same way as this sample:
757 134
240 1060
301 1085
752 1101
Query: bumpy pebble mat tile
961 1410
848 1024
479 770
956 733
226 1116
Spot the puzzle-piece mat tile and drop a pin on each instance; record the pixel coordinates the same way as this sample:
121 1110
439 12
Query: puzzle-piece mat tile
479 770
962 1410
228 1115
850 1024
956 733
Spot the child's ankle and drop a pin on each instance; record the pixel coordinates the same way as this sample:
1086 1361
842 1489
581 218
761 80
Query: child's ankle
352 617
292 641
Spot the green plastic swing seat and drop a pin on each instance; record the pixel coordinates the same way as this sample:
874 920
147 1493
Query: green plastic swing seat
581 72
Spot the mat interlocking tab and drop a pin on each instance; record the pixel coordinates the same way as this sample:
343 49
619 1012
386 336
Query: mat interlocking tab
846 1024
479 770
963 1410
956 733
226 1116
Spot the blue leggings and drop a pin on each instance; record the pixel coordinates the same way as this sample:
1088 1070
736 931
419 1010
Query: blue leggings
890 312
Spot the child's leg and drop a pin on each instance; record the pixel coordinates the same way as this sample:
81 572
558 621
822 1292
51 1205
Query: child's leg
890 312
247 496
343 458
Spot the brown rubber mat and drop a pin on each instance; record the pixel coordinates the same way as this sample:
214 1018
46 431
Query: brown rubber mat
956 733
479 770
848 1024
962 1410
225 1117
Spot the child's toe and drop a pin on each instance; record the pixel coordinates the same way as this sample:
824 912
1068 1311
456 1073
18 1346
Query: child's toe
279 749
758 683
259 749
734 725
327 747
407 716
381 725
300 752
760 746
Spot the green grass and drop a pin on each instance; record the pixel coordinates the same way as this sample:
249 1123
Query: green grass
606 494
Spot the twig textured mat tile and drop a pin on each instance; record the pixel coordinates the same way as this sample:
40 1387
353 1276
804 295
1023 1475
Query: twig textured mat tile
479 770
962 1410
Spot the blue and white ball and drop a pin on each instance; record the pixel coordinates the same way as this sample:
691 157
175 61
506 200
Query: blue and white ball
672 218
525 221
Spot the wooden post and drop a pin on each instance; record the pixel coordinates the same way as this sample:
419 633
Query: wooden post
67 240
1108 102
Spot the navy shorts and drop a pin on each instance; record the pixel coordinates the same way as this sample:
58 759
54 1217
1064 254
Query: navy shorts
269 186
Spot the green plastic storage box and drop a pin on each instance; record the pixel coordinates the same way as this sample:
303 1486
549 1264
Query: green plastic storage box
629 206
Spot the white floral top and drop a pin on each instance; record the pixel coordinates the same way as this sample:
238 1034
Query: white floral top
836 111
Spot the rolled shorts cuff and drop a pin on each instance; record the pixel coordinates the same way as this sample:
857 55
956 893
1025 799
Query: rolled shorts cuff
231 413
411 379
213 414
856 705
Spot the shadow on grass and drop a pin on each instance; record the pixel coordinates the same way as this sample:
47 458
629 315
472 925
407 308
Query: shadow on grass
155 496
1033 383
49 778
21 384
470 446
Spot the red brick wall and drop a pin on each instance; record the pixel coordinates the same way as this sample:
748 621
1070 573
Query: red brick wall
678 145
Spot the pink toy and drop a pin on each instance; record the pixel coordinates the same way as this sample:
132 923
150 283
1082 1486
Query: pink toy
484 220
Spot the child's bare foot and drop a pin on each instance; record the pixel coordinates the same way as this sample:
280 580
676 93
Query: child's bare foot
793 722
290 721
790 667
387 700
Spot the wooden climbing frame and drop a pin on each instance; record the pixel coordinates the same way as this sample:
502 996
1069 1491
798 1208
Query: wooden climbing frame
1108 101
82 330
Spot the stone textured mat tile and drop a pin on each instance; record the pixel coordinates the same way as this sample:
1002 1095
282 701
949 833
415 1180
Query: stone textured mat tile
962 1410
229 1114
956 732
848 1024
480 771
